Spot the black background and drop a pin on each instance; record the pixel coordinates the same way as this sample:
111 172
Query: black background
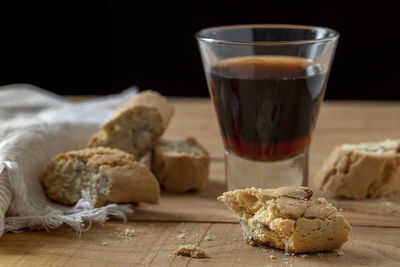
103 47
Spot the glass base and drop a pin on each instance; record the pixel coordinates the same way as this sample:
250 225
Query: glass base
243 173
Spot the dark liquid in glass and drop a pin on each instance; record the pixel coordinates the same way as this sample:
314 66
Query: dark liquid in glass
267 105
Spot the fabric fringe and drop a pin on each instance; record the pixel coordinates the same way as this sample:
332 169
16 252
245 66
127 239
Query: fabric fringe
36 125
80 217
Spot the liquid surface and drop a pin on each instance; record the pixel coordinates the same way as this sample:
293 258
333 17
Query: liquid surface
267 106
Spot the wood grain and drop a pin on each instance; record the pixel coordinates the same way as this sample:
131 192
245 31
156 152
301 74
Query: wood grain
339 122
185 207
154 245
188 218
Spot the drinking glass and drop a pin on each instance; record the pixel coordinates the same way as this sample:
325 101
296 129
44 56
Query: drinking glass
267 83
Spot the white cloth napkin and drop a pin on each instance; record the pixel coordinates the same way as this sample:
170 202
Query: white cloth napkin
36 125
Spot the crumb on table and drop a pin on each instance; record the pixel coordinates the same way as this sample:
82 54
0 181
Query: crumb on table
340 253
192 251
181 236
208 238
130 232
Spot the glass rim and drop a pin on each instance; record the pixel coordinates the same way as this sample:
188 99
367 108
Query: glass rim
201 35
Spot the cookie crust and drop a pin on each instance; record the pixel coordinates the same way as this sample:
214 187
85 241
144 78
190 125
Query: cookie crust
136 126
181 165
366 170
108 175
287 218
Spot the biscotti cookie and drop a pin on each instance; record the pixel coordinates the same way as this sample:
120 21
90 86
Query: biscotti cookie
287 218
180 165
108 175
136 126
365 170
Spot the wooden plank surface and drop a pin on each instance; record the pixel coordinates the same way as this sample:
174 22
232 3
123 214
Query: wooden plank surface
339 122
185 207
154 244
160 228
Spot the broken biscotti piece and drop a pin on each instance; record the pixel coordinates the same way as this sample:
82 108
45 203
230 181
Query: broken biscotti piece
192 251
136 126
108 175
287 218
365 170
180 165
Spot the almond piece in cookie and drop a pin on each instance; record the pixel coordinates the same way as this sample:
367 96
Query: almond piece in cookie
359 171
287 218
108 175
136 126
180 165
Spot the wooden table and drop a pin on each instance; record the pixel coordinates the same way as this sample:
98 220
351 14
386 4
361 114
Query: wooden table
189 218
